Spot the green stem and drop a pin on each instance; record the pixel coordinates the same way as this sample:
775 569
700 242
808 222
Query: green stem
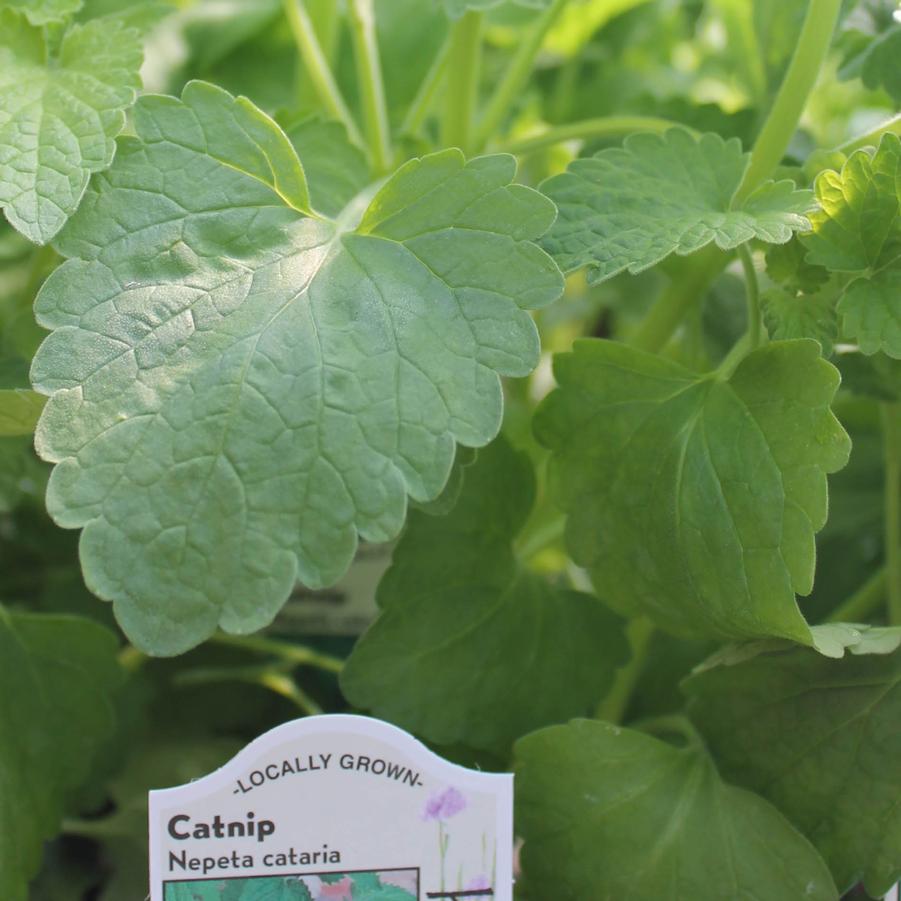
534 543
272 678
782 121
614 706
422 102
464 60
677 299
891 425
517 75
752 294
860 606
317 67
871 138
588 129
299 655
371 84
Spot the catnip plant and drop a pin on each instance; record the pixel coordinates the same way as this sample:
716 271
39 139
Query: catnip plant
589 311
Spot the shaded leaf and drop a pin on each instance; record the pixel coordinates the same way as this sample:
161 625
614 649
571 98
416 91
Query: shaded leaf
471 647
820 739
40 12
693 498
630 207
611 813
788 315
59 116
57 675
19 411
241 388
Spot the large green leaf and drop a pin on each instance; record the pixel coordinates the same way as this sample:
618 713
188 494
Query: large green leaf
59 115
471 647
858 231
240 387
57 674
820 739
614 815
692 497
628 208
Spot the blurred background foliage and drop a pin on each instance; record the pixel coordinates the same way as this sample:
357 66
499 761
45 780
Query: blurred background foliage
711 65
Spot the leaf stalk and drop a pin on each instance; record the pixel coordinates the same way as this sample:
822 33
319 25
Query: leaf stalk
316 64
785 113
371 84
464 61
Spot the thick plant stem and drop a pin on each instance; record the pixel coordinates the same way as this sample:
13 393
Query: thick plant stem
317 67
752 293
891 425
871 138
371 84
783 118
659 325
587 129
517 75
614 706
862 604
298 655
422 102
464 61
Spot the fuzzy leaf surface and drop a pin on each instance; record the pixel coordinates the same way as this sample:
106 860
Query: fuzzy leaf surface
628 208
858 231
819 738
240 387
59 116
470 646
611 813
57 676
692 498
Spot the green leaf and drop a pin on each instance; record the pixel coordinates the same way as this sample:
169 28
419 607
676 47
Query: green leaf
858 231
19 411
336 169
240 388
40 12
876 376
13 462
872 42
369 887
470 646
788 315
820 739
693 498
269 888
456 8
611 813
628 208
57 674
59 116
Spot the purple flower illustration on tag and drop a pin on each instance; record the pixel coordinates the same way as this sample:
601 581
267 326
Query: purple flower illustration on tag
441 807
444 805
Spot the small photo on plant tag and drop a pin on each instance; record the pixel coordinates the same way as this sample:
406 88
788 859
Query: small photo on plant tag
334 807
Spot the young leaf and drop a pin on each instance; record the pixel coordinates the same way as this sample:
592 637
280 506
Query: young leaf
240 386
59 115
819 738
611 813
57 674
858 231
692 498
471 647
630 207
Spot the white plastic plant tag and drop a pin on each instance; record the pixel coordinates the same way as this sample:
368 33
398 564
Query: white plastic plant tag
892 895
334 808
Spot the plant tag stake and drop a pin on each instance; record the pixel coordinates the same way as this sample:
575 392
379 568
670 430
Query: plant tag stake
329 808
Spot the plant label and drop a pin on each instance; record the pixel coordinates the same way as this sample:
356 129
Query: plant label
334 807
